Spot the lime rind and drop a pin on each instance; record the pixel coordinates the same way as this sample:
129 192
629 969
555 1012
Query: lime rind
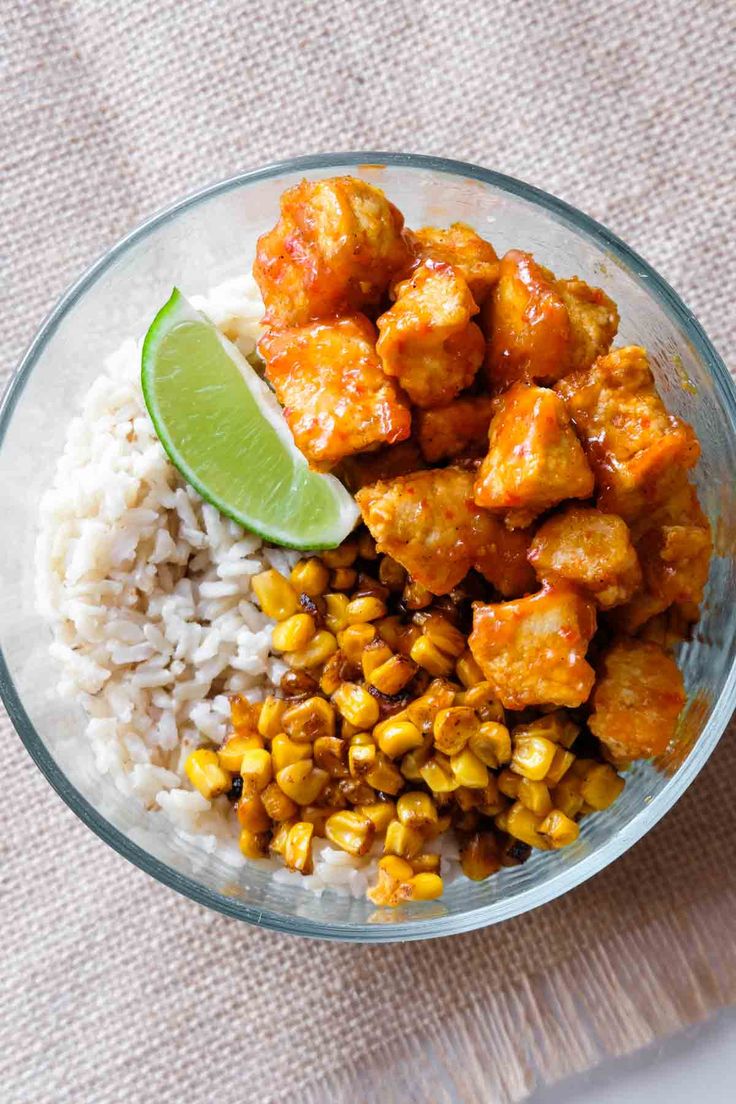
223 429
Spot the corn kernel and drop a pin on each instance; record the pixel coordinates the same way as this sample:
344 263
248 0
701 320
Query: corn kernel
413 761
374 656
352 831
302 781
252 814
491 801
310 577
391 573
601 786
479 857
204 771
556 726
336 615
508 784
256 770
453 728
390 630
308 720
426 887
298 849
356 705
276 596
231 752
392 675
242 713
416 596
277 804
428 656
353 639
319 649
491 743
367 546
535 796
385 776
467 799
416 809
285 751
426 863
294 633
269 720
362 759
397 736
468 770
368 608
566 796
394 878
423 710
532 756
329 754
523 824
559 829
343 578
279 837
403 840
355 791
380 813
444 635
317 815
561 764
254 845
437 774
407 638
468 671
344 555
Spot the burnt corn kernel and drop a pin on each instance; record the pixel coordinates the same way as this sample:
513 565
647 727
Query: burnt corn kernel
236 790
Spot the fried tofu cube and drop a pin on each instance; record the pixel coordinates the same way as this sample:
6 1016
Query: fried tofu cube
334 250
458 429
633 444
428 342
638 697
335 396
591 549
534 459
532 650
593 321
502 556
471 256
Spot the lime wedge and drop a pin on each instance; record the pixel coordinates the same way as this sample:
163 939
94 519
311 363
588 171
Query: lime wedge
223 429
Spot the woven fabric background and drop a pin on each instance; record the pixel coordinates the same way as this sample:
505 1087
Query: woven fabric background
112 988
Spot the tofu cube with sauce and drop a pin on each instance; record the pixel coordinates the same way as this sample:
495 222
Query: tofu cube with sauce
458 429
471 256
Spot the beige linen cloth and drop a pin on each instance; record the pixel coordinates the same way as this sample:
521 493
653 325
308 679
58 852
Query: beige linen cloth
113 988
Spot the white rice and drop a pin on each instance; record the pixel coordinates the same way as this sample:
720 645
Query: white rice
147 589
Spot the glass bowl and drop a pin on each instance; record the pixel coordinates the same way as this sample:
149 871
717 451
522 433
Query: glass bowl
210 237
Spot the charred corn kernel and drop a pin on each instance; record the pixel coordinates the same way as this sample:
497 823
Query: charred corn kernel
532 756
329 754
468 671
523 824
256 770
317 815
269 721
354 639
416 596
423 710
380 813
285 751
501 820
302 781
444 635
426 863
479 858
408 636
535 796
231 752
391 573
393 886
298 849
467 799
204 771
492 744
277 804
413 761
468 770
392 675
336 615
242 713
310 577
403 840
559 829
396 737
416 809
350 830
355 791
453 728
385 776
428 656
254 845
508 784
566 796
343 578
601 786
426 887
437 774
253 814
361 610
276 596
319 649
279 837
344 555
308 720
374 656
294 633
331 676
389 630
561 764
492 801
556 726
362 759
355 704
367 547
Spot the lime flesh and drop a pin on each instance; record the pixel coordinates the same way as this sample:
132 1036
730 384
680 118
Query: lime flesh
223 429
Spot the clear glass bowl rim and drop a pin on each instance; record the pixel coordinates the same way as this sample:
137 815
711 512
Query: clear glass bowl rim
656 287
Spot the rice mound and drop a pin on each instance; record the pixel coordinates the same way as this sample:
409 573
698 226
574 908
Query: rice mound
147 589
